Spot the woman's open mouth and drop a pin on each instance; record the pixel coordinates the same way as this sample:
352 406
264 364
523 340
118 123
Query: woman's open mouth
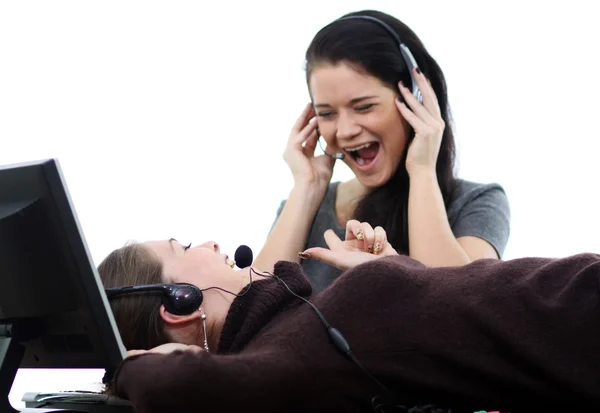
229 261
364 155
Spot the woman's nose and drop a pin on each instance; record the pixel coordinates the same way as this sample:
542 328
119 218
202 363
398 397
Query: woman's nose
346 128
211 245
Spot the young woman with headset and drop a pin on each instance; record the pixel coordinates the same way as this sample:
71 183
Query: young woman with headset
380 102
389 335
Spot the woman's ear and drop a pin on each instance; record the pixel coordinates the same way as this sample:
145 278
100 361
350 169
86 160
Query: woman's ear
173 319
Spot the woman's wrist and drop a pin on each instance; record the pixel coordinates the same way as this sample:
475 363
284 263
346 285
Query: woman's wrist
423 175
309 192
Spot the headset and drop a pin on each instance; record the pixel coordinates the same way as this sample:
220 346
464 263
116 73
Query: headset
409 60
178 299
408 57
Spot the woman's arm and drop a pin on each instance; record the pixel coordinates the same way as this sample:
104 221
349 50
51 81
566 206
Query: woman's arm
186 381
294 377
431 239
481 223
311 179
290 232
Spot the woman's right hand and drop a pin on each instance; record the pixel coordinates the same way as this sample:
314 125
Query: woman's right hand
300 152
363 243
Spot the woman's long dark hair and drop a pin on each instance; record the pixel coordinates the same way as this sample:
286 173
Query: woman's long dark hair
370 47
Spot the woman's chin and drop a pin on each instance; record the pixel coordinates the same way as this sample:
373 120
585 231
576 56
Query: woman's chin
374 180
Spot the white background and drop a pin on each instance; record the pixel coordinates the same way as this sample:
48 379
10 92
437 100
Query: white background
169 118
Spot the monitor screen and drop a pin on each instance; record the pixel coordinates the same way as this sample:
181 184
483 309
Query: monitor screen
51 297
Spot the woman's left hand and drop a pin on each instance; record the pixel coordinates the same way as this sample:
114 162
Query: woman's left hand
166 349
427 122
362 244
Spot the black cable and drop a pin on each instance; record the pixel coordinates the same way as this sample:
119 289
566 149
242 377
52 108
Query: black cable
237 295
342 344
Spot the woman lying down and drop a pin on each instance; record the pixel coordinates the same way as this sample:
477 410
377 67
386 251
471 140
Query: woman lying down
519 335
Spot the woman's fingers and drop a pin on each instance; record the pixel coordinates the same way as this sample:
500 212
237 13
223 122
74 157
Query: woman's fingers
303 119
354 230
430 100
373 240
369 237
380 240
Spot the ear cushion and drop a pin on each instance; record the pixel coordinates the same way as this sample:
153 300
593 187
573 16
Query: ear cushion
183 299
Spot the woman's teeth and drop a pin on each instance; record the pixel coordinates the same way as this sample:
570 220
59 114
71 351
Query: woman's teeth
355 155
230 262
358 148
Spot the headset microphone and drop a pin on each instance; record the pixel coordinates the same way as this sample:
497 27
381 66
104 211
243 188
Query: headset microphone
338 155
243 256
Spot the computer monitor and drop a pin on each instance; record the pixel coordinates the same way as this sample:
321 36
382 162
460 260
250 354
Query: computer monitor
53 309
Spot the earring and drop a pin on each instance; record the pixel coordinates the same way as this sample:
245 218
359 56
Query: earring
204 329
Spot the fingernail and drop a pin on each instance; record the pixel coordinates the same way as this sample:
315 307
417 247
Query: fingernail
401 84
303 255
377 248
360 236
370 248
418 70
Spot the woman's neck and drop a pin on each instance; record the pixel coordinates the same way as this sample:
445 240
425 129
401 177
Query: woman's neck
249 274
349 194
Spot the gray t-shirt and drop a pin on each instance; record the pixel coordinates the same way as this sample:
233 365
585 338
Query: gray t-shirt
477 210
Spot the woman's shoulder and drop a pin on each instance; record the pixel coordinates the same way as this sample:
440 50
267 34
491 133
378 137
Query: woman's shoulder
471 188
466 192
480 210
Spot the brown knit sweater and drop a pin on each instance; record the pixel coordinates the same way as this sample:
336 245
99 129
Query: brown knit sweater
520 335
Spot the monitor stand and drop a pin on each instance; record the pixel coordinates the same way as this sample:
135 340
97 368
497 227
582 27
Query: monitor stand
11 354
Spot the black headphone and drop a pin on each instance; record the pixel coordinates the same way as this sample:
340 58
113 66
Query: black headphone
408 57
178 299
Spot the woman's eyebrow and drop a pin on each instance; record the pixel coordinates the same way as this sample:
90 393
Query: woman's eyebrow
352 102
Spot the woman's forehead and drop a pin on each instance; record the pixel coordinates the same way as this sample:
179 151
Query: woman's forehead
342 83
163 248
